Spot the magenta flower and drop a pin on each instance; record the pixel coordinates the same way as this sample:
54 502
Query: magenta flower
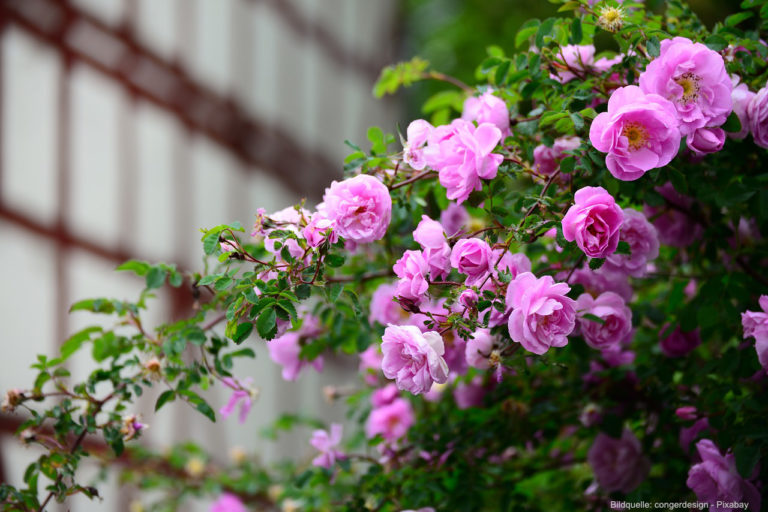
241 394
430 236
462 155
326 444
478 349
577 59
614 313
286 219
594 222
453 218
676 343
470 394
392 421
360 207
643 243
542 315
687 412
413 148
370 364
546 160
515 263
757 112
414 359
384 309
755 325
694 79
285 351
741 97
619 464
319 230
468 298
474 258
675 227
716 481
228 503
705 141
597 282
385 396
639 132
412 269
487 108
689 434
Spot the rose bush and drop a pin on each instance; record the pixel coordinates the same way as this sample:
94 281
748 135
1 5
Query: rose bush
586 322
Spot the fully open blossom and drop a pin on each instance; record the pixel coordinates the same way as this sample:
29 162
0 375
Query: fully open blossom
487 108
677 343
414 359
478 349
326 443
430 236
755 324
716 481
392 421
594 222
474 258
285 351
542 315
384 309
643 243
674 226
242 393
413 151
639 132
462 155
412 269
577 59
705 141
454 218
619 464
228 503
741 97
361 208
757 112
546 160
694 79
319 229
615 315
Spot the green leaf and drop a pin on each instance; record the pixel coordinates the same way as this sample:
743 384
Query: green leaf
576 32
165 397
596 263
593 318
623 248
735 19
334 260
243 331
746 459
653 46
732 124
716 42
567 164
156 277
76 341
139 268
266 325
211 243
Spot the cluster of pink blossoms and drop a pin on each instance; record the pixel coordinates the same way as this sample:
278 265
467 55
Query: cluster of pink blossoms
755 325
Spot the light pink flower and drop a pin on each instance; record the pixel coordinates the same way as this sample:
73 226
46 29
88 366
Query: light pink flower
285 351
515 263
487 108
578 58
755 324
392 421
228 503
676 343
639 132
472 257
412 269
616 317
370 364
326 443
643 243
413 149
430 236
687 412
462 155
468 298
716 481
384 309
757 112
453 218
619 464
241 394
704 141
542 315
547 160
741 97
319 230
360 207
694 79
478 349
385 396
594 222
287 219
414 359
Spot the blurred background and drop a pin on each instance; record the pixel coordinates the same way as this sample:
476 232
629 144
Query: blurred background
127 125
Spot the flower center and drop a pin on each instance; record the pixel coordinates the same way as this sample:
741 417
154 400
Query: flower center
636 134
690 84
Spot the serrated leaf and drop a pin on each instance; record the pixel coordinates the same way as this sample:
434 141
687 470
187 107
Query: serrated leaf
596 263
242 332
166 396
266 325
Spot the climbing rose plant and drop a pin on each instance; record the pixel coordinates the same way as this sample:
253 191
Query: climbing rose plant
555 286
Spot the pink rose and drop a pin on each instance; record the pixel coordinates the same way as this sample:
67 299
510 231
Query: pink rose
392 421
242 394
515 263
542 315
716 481
468 298
470 394
757 112
675 227
385 395
755 325
676 343
414 359
384 309
462 155
643 243
285 351
286 219
429 234
639 132
603 280
474 258
694 79
614 313
689 434
326 444
228 503
619 464
594 222
487 108
741 97
319 230
412 269
413 149
360 207
478 349
704 141
577 58
370 364
547 160
453 218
